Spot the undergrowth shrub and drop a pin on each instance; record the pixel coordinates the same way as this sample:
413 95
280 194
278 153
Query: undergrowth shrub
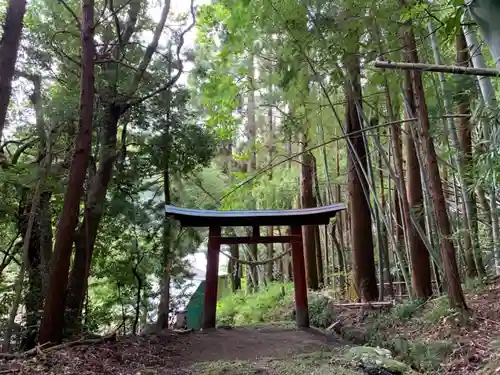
423 355
475 284
321 314
267 305
436 311
428 356
406 310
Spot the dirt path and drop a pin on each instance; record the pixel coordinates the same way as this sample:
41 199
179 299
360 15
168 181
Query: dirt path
171 353
255 343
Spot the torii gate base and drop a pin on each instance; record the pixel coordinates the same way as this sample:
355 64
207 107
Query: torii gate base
215 240
293 218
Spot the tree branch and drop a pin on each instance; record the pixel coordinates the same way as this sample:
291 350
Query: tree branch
176 77
135 7
453 69
117 23
151 48
9 254
77 20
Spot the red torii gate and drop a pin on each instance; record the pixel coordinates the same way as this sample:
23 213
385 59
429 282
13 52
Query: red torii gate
216 219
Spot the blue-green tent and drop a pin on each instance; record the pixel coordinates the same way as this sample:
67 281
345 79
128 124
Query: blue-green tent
194 309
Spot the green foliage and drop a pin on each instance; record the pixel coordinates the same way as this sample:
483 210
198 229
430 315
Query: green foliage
321 314
269 304
428 356
437 310
406 310
273 303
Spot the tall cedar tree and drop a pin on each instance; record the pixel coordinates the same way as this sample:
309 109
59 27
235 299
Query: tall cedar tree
52 324
421 266
455 292
359 206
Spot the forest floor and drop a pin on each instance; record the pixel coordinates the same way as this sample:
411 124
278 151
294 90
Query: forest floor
270 349
429 336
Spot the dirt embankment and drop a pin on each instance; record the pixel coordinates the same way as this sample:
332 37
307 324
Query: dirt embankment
430 336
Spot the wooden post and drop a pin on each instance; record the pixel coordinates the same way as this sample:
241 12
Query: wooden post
299 278
211 279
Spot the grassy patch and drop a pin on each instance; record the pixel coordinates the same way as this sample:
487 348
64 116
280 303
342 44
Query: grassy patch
312 363
271 304
318 363
225 368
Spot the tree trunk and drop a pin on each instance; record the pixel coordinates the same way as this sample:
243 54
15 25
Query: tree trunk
114 108
40 243
486 14
339 224
9 47
471 236
234 267
455 292
307 201
386 267
26 263
402 218
86 234
359 206
270 230
252 270
164 308
51 328
489 97
317 202
421 267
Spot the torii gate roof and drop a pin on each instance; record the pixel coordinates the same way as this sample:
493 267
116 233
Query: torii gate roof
190 217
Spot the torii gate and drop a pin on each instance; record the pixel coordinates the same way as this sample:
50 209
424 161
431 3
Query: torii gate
215 220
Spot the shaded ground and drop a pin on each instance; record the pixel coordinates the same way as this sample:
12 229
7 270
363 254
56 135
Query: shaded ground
431 337
258 350
428 336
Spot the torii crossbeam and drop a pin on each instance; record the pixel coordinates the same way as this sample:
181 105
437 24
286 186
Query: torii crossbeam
215 220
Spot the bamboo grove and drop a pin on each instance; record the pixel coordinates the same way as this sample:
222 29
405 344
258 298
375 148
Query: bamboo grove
110 109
